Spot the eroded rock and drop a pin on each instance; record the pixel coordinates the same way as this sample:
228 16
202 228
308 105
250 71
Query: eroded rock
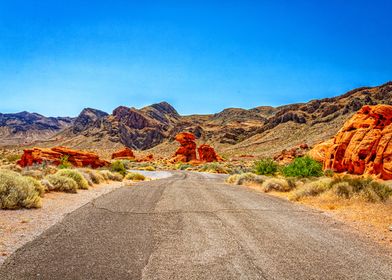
208 154
54 156
187 151
363 145
125 153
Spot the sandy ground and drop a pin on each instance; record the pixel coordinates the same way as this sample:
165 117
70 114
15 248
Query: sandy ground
17 227
373 220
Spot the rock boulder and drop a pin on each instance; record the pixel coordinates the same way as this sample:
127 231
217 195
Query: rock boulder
125 153
54 155
208 154
363 145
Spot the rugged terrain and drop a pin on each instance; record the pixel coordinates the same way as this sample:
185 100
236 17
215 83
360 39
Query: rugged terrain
261 131
24 127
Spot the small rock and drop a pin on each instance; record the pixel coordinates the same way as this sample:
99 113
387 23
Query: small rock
390 228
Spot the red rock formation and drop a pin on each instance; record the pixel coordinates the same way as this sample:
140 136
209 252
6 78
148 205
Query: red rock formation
364 144
208 154
187 151
287 156
125 153
147 158
319 151
54 155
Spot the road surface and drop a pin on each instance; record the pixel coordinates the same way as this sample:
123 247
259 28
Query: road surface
193 226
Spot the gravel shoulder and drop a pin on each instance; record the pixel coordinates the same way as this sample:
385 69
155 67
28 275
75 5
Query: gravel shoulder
18 227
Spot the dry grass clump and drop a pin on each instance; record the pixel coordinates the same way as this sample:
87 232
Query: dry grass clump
149 168
12 167
35 173
74 175
135 176
17 191
87 177
345 187
60 183
278 184
245 179
111 176
365 188
312 188
213 167
95 176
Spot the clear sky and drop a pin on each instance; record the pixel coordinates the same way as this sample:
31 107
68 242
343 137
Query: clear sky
57 57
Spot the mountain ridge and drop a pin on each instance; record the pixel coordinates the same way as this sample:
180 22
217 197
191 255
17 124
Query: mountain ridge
233 130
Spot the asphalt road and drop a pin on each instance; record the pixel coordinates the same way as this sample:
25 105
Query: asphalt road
193 226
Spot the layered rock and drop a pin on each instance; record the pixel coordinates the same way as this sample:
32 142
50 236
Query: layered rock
208 154
187 151
125 153
54 156
363 145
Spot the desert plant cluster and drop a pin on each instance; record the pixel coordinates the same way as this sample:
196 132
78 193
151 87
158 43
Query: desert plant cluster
25 187
305 178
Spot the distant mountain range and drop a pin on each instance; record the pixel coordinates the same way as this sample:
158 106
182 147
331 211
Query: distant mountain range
260 131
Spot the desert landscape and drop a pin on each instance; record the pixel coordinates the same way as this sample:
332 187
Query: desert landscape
189 141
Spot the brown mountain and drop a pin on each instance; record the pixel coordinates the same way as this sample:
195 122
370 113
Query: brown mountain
22 128
261 131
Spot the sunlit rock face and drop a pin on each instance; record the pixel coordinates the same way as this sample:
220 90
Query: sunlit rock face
363 145
187 151
125 153
208 154
54 156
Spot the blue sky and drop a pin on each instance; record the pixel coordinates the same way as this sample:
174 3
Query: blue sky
200 56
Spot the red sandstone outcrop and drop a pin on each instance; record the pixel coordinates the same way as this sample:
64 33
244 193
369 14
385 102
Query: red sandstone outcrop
287 156
363 145
54 155
125 153
146 158
208 154
187 151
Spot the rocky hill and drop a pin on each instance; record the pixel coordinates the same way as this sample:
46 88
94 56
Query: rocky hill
261 131
24 127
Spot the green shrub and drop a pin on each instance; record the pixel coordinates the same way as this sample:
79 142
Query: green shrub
329 173
17 191
64 163
74 175
266 167
135 176
303 167
13 157
37 185
183 166
118 166
59 183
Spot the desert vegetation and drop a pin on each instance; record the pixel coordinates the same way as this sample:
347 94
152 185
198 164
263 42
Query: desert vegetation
25 187
305 178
